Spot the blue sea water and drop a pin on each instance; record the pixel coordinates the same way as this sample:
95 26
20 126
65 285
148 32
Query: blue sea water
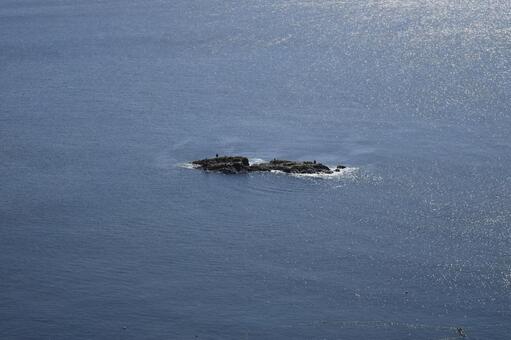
104 234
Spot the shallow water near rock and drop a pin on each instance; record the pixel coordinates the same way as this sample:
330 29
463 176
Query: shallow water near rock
105 235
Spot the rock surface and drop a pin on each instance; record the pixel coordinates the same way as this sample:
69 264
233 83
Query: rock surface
239 164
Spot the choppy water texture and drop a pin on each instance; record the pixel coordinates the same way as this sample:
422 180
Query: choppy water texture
104 235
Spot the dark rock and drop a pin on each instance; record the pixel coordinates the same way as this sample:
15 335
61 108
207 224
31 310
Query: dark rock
226 165
461 332
239 164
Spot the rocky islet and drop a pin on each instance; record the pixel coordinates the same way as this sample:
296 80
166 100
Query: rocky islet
241 164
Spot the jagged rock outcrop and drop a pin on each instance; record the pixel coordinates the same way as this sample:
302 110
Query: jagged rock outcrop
225 164
239 164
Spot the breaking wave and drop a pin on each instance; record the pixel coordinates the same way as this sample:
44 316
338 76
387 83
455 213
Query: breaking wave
342 173
187 165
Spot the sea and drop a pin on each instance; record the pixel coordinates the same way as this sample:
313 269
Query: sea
107 233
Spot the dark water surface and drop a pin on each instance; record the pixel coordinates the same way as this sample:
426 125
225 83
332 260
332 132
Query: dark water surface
104 235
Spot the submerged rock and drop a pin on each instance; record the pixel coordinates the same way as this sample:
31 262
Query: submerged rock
239 164
339 168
